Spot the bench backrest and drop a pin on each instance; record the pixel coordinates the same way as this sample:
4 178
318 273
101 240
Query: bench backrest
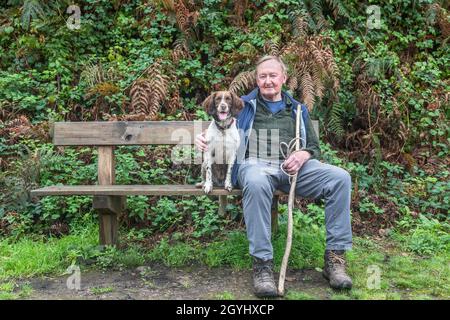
117 133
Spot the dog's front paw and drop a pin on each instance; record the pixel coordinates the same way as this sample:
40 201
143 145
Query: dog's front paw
228 186
207 187
199 185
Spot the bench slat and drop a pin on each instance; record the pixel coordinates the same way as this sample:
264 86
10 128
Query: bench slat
130 190
127 190
104 133
126 133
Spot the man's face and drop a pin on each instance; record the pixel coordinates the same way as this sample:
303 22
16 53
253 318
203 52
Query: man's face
270 78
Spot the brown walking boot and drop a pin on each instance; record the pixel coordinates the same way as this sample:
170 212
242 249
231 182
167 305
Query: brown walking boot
334 270
263 282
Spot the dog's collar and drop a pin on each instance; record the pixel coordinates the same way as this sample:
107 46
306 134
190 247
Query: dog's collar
226 126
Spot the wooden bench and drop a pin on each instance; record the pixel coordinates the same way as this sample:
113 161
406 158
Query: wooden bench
109 199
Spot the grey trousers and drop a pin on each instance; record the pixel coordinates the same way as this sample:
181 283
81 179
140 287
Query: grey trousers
259 179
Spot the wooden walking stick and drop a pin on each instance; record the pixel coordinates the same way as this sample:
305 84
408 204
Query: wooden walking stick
293 180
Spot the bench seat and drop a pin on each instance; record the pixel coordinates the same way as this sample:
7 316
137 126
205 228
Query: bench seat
132 190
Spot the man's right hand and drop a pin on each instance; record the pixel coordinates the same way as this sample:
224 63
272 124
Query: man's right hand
200 142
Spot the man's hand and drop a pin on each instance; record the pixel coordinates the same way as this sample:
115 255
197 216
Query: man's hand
295 161
200 141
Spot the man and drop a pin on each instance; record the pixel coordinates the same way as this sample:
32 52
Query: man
257 172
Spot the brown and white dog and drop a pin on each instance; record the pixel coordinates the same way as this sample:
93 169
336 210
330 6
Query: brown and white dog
222 138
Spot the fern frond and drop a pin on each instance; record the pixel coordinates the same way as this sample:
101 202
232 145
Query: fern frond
317 12
315 50
330 65
313 68
339 8
141 94
308 95
335 123
432 13
180 50
436 13
292 84
104 89
243 82
299 21
271 47
92 74
175 103
378 67
182 14
149 93
317 78
166 4
31 9
239 10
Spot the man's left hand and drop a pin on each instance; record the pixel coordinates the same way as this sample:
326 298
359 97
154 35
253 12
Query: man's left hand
295 161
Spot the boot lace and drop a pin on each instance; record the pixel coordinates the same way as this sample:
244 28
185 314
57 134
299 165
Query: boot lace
264 272
336 260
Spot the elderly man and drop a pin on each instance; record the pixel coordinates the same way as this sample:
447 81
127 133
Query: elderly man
257 172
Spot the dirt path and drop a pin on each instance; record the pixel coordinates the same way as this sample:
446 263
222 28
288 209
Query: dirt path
160 282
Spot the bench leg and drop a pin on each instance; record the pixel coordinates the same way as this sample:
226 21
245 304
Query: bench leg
108 208
274 214
222 205
108 228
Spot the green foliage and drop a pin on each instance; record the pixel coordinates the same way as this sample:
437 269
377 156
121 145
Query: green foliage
424 236
368 206
112 258
166 214
422 192
205 216
173 255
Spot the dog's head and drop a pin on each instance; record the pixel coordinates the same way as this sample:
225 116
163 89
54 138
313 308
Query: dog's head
223 105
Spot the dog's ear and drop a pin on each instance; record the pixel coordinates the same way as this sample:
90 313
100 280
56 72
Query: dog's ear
208 104
237 104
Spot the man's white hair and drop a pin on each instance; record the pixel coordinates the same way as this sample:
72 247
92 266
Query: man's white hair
268 58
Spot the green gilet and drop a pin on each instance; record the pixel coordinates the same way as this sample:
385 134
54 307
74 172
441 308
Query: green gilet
269 130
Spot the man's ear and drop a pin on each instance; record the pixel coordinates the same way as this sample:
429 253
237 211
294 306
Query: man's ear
208 104
237 105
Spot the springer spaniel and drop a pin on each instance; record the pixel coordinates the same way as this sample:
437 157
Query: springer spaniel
222 138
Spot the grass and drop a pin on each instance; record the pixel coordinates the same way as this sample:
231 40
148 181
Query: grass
101 290
10 291
225 296
30 257
403 273
296 295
